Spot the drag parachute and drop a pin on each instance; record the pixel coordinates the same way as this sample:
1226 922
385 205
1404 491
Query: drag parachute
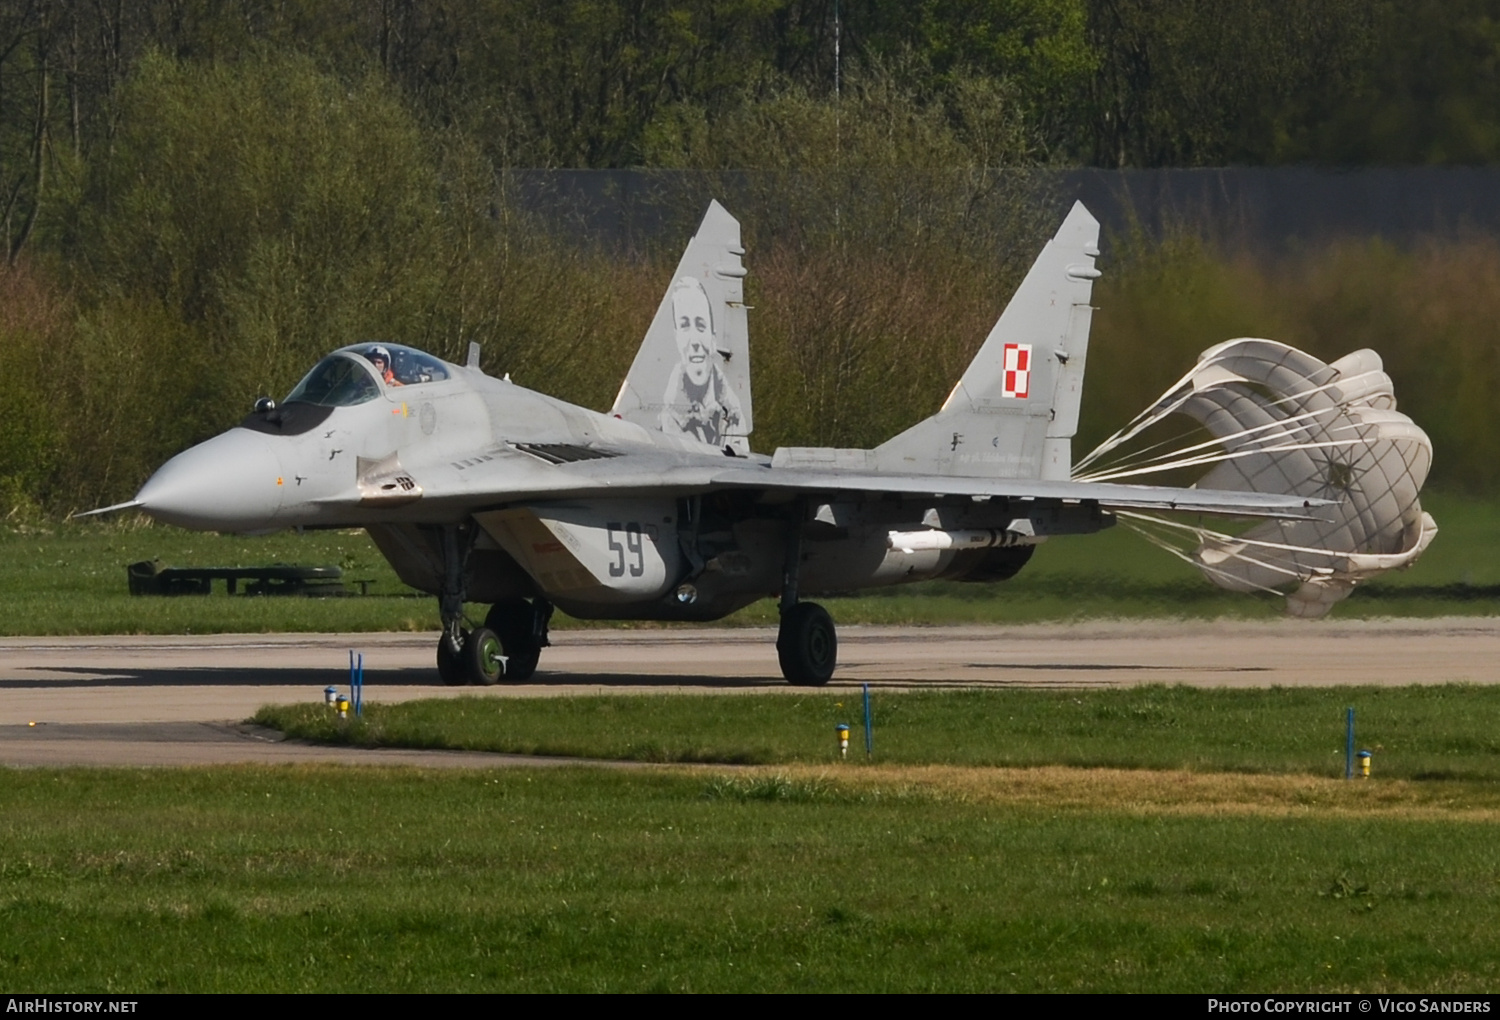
1283 421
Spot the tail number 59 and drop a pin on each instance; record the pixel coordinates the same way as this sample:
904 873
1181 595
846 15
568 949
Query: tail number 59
631 555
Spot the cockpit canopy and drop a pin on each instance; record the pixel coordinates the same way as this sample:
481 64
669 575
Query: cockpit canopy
336 381
407 365
350 375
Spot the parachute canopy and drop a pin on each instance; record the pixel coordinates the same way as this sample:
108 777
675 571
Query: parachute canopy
1283 421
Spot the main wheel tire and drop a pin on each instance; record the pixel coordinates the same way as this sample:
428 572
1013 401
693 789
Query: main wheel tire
483 657
807 645
515 621
450 664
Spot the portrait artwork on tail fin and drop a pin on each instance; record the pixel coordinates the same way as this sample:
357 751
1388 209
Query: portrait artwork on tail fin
691 376
700 401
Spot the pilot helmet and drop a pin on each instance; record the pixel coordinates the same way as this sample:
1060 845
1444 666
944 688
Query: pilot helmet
379 352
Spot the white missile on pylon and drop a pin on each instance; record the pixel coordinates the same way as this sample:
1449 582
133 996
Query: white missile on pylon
973 538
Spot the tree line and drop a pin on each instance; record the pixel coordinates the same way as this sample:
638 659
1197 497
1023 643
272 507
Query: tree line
198 199
614 83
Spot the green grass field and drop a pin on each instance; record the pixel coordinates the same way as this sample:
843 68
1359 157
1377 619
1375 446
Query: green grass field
70 579
1151 839
1427 733
1156 839
591 879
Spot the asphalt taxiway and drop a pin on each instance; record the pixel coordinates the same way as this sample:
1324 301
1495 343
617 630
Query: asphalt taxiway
182 700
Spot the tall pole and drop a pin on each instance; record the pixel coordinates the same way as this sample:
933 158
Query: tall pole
838 26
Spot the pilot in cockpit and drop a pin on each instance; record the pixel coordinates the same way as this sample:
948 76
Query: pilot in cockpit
381 359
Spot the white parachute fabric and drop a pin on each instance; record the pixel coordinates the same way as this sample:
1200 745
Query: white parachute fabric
1285 422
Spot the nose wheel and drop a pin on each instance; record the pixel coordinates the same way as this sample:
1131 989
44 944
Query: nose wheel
483 659
480 659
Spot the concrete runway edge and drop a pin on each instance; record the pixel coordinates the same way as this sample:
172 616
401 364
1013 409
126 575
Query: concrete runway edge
181 700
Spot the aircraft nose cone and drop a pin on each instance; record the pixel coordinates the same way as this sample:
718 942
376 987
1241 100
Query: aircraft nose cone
232 482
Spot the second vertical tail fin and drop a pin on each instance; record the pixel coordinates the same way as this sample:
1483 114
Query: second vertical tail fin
1014 412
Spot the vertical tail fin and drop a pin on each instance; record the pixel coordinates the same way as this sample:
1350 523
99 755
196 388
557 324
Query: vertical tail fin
1014 412
692 373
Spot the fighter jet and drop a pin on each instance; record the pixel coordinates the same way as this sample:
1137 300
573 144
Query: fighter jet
480 490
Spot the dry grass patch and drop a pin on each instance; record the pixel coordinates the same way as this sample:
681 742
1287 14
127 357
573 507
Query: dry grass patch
1147 791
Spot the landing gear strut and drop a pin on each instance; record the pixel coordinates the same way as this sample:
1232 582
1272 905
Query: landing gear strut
455 544
806 644
463 657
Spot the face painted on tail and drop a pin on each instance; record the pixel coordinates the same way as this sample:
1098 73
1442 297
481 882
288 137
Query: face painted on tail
692 324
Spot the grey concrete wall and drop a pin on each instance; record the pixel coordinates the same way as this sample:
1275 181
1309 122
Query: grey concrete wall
1254 208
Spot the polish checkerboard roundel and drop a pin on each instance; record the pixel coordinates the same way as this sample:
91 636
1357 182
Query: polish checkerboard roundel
1017 381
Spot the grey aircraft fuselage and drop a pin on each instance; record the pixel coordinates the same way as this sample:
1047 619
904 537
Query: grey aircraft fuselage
409 460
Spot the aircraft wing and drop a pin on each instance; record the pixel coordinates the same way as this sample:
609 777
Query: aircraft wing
1106 494
506 476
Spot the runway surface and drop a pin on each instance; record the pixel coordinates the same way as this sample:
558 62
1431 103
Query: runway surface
181 700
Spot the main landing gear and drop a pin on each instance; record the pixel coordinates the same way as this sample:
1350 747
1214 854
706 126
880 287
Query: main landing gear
511 640
806 644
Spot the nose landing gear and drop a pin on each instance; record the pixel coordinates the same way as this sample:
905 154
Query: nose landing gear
509 644
507 648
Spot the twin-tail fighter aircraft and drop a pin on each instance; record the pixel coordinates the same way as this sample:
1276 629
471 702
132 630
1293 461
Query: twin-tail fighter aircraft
480 490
